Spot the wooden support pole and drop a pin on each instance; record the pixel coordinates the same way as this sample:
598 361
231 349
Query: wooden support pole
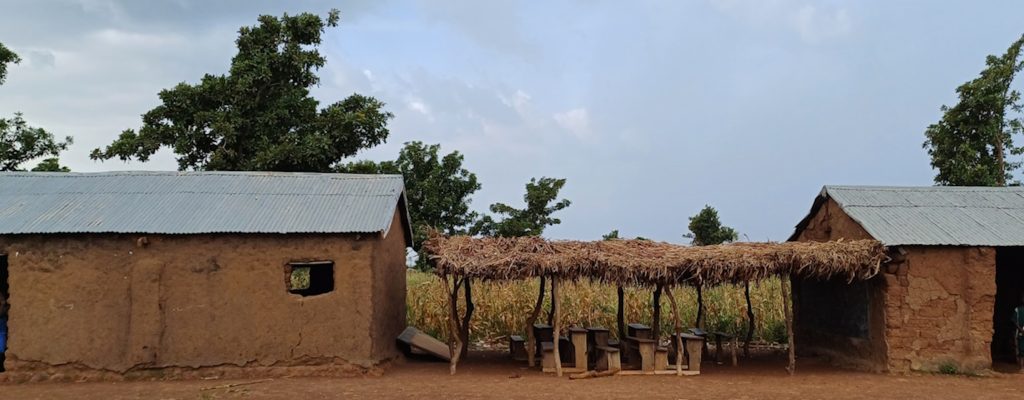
464 332
678 330
700 307
454 344
656 329
787 307
531 341
750 320
556 307
621 315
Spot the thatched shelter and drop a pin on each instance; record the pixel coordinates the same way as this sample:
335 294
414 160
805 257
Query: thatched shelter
640 263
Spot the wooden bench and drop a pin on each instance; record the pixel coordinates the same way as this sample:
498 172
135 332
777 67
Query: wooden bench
608 359
517 347
578 336
596 336
693 346
542 333
547 351
645 349
719 338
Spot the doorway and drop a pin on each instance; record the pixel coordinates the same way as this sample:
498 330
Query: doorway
1009 289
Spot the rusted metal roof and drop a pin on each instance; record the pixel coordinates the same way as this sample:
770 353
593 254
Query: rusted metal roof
933 215
199 202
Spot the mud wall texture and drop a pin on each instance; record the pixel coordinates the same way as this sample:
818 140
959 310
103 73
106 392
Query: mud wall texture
841 321
931 308
939 309
120 303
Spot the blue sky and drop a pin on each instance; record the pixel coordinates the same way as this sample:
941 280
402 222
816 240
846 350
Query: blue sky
649 109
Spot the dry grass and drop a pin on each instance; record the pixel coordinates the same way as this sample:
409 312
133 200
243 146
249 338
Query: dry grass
648 263
502 307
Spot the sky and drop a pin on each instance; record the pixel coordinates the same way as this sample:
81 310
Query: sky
649 109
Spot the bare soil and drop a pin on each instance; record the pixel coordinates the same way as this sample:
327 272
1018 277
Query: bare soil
489 375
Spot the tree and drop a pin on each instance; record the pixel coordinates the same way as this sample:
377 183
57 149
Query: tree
6 57
611 235
20 143
529 221
259 116
706 230
50 165
437 188
970 145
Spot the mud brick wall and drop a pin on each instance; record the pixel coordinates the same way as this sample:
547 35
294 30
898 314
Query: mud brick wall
939 309
111 303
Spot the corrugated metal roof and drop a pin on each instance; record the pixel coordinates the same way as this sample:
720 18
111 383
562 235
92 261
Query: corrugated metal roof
197 202
934 215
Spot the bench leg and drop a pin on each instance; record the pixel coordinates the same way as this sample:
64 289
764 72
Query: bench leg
647 357
694 347
612 361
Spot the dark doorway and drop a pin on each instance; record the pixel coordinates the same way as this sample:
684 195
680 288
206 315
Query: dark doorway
4 306
1009 288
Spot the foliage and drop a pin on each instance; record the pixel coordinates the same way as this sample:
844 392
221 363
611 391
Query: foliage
970 144
529 221
706 229
20 143
437 188
949 368
51 164
501 308
6 57
611 235
259 116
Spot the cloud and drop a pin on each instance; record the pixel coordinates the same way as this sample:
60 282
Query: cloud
812 23
575 121
816 25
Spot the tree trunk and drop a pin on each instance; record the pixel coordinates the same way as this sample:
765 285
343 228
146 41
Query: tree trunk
786 306
656 329
531 341
467 317
750 321
454 344
556 308
1000 163
700 307
678 331
621 314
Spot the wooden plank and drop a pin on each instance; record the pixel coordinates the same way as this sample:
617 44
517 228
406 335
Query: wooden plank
425 343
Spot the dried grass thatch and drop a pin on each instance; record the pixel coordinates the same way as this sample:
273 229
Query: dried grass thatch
645 263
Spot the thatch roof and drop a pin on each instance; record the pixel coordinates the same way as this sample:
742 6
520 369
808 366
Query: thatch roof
641 262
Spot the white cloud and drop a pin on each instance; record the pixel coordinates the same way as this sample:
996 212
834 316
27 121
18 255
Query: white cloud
575 121
816 25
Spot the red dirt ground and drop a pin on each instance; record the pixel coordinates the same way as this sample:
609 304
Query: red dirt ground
489 375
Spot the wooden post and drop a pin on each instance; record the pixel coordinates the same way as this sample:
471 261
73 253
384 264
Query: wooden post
656 329
700 307
556 308
454 344
678 330
786 306
750 320
531 341
464 332
621 315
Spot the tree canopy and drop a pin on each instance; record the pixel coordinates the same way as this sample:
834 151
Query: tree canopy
706 229
438 188
971 144
20 143
528 221
260 115
6 57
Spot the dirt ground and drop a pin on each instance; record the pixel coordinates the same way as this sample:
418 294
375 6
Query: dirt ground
491 375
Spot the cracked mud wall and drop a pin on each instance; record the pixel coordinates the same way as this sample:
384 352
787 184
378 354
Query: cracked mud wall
941 312
108 303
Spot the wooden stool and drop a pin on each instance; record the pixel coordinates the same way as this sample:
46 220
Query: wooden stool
517 347
608 359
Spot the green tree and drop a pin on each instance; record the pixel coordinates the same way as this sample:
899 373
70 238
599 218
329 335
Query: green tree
611 235
6 57
50 165
705 230
970 145
20 143
259 116
438 189
529 221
